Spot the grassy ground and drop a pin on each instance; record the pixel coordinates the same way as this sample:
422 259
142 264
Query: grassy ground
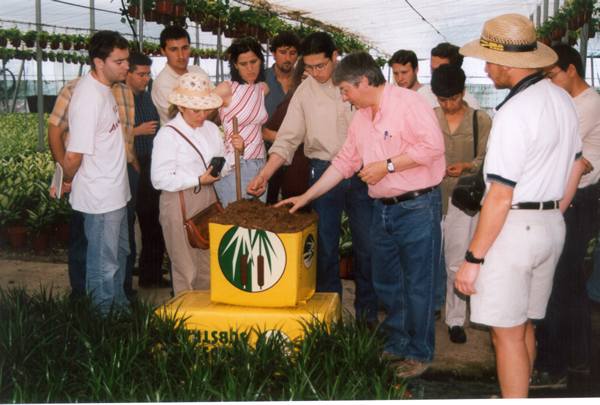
53 349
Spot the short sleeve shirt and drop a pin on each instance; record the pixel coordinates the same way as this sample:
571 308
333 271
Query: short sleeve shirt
533 144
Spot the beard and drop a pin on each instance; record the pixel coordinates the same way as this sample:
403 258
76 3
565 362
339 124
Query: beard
286 67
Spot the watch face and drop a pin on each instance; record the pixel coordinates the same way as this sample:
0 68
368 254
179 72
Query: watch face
390 167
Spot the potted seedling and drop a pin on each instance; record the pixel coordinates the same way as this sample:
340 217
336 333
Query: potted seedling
54 40
67 41
3 40
40 219
78 42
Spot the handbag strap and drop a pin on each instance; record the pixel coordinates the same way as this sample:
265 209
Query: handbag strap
203 161
475 133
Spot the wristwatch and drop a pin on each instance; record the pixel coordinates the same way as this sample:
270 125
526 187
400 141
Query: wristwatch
390 166
472 259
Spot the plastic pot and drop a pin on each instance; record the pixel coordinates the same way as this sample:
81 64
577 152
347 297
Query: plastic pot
18 236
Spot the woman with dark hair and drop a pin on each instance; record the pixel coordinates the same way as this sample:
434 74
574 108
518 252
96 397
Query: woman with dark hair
465 139
243 97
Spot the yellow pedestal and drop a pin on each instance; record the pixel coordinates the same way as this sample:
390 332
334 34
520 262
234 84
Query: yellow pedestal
258 268
222 323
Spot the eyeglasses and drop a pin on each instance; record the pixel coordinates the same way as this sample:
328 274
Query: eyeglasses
551 75
318 67
343 92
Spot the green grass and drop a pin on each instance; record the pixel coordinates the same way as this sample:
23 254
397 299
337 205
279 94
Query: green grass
53 349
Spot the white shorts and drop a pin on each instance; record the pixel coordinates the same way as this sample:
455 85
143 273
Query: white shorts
515 282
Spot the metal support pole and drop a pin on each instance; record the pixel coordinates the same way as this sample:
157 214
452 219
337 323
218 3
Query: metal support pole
197 58
592 68
545 13
4 60
141 27
40 89
92 18
268 45
583 43
219 47
556 6
14 100
538 16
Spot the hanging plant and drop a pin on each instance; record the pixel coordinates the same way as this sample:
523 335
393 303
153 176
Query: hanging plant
55 40
164 7
30 38
42 37
78 42
3 40
14 36
178 8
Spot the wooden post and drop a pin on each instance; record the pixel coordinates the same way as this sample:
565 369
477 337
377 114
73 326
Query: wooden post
238 172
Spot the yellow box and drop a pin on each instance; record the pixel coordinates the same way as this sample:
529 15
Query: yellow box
281 269
222 323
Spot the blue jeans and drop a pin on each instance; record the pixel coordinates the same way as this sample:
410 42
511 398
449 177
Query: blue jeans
77 253
406 239
441 281
249 169
593 285
108 247
134 178
352 195
563 336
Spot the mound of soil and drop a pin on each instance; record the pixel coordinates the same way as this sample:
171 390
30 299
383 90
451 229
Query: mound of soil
254 214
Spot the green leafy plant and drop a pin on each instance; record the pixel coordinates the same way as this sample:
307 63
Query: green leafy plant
42 217
30 35
12 34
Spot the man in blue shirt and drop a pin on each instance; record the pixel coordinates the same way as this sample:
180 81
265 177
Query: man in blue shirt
284 48
147 209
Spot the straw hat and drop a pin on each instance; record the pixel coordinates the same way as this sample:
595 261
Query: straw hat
510 40
193 91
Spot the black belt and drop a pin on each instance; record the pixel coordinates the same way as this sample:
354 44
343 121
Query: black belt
410 195
546 205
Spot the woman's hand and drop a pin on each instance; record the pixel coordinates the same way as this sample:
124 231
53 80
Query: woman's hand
456 169
207 179
238 143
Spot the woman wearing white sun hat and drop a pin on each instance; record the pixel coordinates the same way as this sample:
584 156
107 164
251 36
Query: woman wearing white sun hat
177 166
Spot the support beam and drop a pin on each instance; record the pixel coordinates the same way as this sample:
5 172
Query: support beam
92 18
40 87
141 28
583 43
545 12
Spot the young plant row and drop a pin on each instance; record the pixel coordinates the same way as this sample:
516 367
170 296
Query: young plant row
56 349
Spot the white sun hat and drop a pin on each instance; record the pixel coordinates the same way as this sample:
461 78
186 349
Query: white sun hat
193 91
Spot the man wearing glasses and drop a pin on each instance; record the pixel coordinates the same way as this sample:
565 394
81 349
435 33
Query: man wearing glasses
319 116
564 335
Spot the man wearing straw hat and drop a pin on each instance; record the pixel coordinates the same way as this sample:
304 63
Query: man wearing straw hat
531 169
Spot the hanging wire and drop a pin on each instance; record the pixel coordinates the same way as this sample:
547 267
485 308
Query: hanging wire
424 19
86 7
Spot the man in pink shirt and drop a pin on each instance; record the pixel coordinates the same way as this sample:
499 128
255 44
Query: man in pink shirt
396 145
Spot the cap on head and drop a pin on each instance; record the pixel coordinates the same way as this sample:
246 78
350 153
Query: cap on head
193 91
510 40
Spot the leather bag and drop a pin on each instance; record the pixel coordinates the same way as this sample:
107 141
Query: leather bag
197 226
469 190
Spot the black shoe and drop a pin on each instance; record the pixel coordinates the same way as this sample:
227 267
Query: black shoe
165 271
546 380
372 325
457 334
135 272
160 283
438 314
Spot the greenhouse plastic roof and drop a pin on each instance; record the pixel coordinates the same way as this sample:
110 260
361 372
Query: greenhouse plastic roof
388 25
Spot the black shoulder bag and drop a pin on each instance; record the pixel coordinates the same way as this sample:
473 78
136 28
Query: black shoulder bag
469 190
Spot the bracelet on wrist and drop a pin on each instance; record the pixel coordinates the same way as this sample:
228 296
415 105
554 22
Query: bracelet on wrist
470 258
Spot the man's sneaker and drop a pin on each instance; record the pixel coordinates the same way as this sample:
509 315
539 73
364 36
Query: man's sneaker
411 368
546 380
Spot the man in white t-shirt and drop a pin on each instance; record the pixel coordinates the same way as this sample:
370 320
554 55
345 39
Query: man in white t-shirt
175 45
531 168
564 335
442 54
96 164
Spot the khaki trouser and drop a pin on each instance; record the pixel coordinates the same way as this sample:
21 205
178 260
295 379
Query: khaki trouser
190 267
458 229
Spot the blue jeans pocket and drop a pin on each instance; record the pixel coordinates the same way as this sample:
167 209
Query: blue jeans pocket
419 202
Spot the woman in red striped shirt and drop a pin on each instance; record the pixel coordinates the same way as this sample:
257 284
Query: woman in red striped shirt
244 97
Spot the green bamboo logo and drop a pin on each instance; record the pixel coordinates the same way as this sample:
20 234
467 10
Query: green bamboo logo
252 260
308 252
